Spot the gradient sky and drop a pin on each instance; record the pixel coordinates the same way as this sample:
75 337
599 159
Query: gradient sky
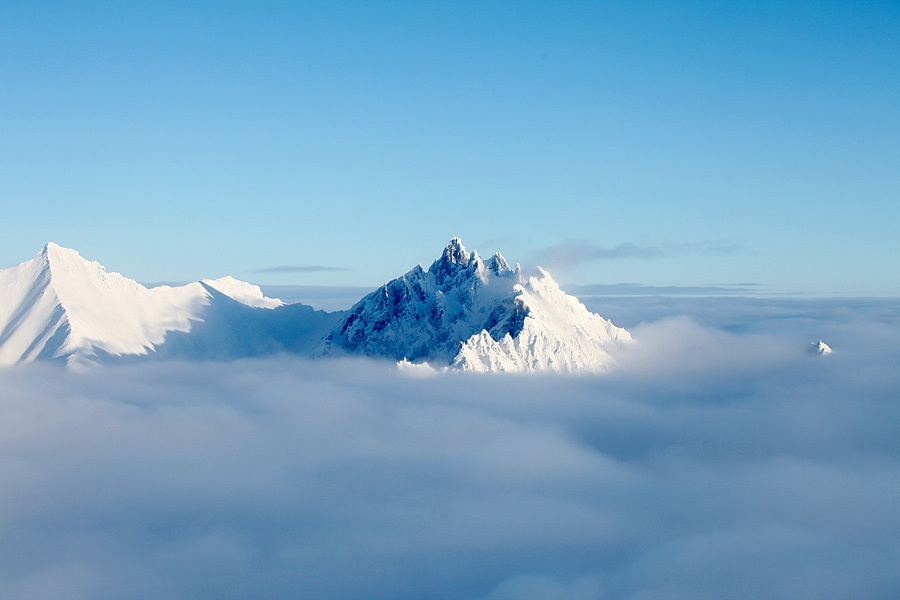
660 143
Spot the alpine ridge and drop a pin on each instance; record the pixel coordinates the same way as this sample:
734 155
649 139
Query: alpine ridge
462 313
60 307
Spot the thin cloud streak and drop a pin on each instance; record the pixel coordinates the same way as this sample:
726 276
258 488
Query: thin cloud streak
300 269
639 289
572 253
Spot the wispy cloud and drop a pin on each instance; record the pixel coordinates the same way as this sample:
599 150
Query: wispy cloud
300 269
572 253
638 289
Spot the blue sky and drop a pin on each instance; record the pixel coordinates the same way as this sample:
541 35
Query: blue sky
666 144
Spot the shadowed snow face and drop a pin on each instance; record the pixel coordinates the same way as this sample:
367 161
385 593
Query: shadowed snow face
713 465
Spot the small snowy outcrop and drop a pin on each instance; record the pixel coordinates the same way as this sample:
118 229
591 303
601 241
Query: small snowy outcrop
243 292
478 316
819 348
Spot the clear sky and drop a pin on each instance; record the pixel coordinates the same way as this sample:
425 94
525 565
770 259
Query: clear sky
661 143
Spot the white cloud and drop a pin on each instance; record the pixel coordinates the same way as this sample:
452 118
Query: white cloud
716 464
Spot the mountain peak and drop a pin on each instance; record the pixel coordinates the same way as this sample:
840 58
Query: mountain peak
58 256
498 264
54 248
820 347
477 316
455 253
453 260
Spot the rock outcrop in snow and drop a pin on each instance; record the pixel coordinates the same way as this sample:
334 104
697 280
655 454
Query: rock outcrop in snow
819 348
424 315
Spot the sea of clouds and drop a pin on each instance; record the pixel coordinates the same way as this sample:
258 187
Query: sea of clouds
722 460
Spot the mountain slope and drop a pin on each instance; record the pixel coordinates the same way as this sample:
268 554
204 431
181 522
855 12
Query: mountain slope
61 307
557 334
478 316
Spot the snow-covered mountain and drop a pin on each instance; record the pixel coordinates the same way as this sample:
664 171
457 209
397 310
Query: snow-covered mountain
462 313
61 307
478 316
820 348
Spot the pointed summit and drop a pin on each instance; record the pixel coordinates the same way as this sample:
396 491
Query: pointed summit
819 348
452 260
54 249
67 263
498 264
49 249
456 253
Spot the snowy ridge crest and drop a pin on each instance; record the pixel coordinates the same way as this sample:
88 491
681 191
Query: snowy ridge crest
556 333
60 307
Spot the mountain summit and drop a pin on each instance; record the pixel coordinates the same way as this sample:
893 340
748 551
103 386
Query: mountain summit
463 313
478 316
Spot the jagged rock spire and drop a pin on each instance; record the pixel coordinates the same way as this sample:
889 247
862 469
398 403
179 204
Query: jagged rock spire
453 259
455 253
498 264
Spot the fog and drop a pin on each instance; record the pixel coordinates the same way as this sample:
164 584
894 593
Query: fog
721 460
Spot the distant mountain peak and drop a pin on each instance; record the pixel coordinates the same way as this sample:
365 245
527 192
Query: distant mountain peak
54 250
68 268
498 264
820 348
53 253
453 260
449 313
455 252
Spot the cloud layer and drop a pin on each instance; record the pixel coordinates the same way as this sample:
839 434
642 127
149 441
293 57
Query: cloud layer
718 463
